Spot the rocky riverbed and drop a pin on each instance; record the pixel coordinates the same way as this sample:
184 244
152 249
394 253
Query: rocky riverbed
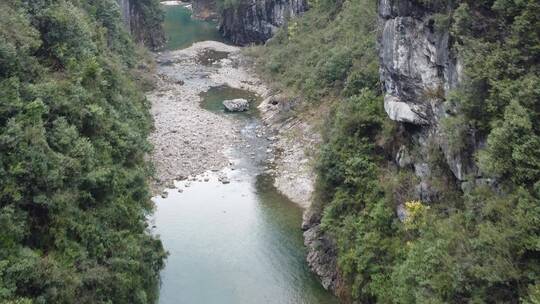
297 140
194 135
190 140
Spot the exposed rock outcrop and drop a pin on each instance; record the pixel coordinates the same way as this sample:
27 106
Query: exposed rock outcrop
294 138
143 22
256 21
322 252
418 68
322 257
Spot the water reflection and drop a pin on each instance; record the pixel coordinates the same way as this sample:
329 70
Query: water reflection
234 243
182 31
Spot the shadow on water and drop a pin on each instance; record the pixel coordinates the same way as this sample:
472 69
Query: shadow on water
238 243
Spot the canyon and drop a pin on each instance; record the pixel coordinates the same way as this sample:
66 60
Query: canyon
420 69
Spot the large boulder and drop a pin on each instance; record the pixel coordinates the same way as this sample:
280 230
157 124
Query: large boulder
236 105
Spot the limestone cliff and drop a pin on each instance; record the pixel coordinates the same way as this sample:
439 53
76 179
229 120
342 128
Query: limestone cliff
418 69
255 21
143 19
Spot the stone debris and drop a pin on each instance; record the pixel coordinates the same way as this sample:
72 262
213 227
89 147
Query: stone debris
189 140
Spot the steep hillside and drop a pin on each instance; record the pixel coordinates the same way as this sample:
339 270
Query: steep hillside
73 129
428 177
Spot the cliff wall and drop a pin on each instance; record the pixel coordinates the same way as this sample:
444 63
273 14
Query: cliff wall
418 70
143 18
256 21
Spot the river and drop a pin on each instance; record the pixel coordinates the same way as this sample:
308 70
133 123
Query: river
237 242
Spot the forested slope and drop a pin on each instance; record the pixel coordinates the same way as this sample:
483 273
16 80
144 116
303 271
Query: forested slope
408 224
73 128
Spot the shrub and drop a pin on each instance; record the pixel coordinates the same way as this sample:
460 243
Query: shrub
73 129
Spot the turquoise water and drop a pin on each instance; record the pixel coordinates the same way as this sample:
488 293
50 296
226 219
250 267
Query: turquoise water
236 243
182 31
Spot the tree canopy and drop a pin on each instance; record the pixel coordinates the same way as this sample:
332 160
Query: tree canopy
476 247
73 127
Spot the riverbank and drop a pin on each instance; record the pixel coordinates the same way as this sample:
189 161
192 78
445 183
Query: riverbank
295 140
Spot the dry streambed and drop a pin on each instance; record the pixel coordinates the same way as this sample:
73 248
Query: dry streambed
190 140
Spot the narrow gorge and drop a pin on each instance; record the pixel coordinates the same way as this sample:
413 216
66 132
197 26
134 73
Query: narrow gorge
414 101
256 21
232 237
269 151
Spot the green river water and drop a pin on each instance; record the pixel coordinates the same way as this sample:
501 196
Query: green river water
182 31
237 243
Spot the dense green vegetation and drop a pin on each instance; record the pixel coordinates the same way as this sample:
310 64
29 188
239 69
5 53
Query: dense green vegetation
337 57
488 249
73 128
480 247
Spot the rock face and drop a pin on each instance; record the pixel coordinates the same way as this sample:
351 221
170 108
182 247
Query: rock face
256 21
322 257
236 105
144 29
418 69
322 252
